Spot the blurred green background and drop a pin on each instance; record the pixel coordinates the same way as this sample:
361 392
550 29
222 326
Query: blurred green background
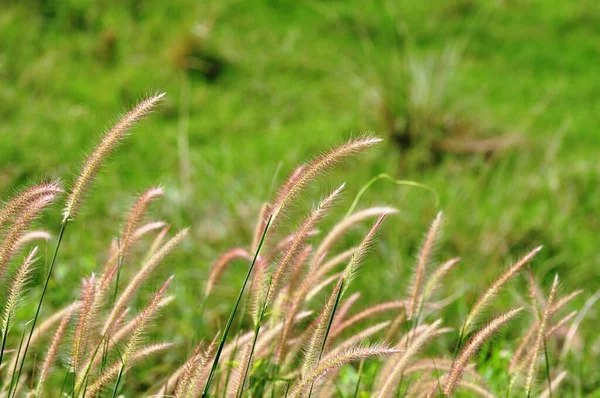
493 104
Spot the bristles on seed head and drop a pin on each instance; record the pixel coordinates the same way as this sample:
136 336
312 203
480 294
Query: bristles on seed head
473 346
18 229
351 355
20 202
300 179
102 151
361 251
541 335
284 267
423 260
495 287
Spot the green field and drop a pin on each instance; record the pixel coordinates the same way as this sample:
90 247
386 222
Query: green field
256 87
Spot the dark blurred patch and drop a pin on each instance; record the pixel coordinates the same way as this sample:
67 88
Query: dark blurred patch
106 50
192 54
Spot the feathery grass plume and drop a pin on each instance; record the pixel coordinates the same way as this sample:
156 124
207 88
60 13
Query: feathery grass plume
135 217
348 356
391 383
102 151
338 259
535 293
296 273
181 378
280 247
562 322
292 309
317 339
554 385
216 271
157 242
473 346
31 237
423 259
359 254
143 319
14 295
202 368
433 388
355 339
130 326
367 313
20 202
285 264
560 303
299 180
322 285
540 339
113 371
86 314
145 229
440 364
180 381
495 287
17 229
263 216
42 329
339 229
52 352
236 385
434 280
392 361
138 329
142 274
515 362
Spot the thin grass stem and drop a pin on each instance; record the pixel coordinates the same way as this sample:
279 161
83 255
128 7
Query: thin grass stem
213 369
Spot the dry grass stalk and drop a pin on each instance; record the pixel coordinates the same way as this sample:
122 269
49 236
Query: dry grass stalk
299 180
473 346
102 151
423 259
495 287
540 339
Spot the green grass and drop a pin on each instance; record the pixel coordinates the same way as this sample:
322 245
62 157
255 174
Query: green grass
297 79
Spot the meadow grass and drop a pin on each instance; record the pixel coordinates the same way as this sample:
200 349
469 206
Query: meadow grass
308 75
